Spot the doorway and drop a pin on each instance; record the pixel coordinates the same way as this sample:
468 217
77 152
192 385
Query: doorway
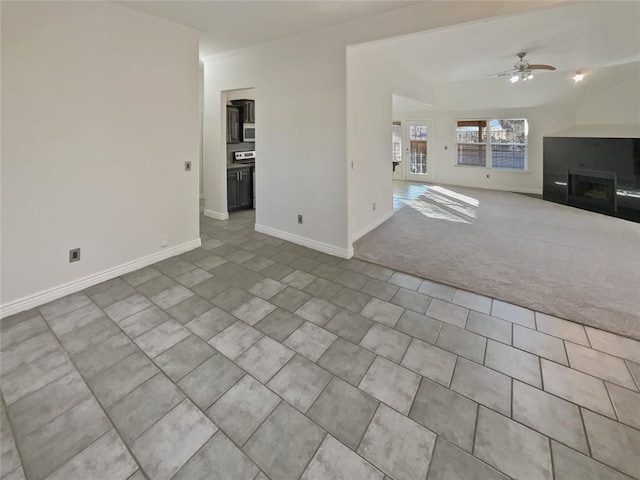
410 155
240 151
411 150
416 135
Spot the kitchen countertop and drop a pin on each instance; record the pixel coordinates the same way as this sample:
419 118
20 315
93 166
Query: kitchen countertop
235 166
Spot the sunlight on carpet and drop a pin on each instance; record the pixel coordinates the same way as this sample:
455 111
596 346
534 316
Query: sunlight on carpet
443 204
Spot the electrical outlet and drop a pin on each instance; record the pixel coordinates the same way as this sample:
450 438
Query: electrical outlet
374 206
187 166
300 219
74 255
164 242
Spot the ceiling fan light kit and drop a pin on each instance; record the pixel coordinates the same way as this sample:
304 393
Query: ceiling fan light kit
521 77
522 70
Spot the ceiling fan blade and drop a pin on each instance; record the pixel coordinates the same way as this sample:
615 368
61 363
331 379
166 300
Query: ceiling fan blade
541 67
502 74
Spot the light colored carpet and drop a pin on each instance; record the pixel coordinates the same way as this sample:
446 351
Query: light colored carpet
558 260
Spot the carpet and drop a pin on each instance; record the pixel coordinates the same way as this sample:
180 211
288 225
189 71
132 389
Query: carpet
559 260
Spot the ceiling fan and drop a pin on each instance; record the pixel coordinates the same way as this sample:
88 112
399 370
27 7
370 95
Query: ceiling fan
522 70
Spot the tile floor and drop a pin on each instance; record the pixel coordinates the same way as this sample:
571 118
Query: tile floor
254 358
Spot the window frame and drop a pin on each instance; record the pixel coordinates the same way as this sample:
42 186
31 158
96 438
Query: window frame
394 126
488 144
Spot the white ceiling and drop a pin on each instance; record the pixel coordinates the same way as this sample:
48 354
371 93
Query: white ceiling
404 105
230 25
601 38
578 36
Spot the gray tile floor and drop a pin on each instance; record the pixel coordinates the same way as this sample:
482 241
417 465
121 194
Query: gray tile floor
253 358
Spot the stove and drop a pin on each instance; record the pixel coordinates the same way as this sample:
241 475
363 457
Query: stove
245 157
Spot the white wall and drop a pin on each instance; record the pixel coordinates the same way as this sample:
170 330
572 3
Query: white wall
612 112
608 104
301 139
301 144
99 114
369 117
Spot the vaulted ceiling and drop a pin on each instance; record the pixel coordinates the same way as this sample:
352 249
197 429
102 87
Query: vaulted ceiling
575 36
601 39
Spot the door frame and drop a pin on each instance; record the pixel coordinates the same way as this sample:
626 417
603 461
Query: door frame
416 177
400 171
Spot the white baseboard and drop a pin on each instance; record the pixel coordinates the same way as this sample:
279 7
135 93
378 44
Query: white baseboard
216 215
535 191
306 242
376 223
40 298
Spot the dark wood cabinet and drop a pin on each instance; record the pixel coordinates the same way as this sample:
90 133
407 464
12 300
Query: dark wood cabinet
239 188
245 189
247 110
234 127
232 190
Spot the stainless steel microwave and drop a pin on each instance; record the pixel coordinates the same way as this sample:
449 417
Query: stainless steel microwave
249 132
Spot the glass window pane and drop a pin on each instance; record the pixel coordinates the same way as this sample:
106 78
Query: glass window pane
418 149
472 154
417 132
471 137
509 144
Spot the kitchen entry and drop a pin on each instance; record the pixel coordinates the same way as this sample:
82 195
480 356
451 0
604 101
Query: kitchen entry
240 134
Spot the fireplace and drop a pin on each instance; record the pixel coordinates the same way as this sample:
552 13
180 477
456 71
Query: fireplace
597 174
592 189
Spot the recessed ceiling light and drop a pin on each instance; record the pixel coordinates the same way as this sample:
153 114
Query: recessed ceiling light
578 77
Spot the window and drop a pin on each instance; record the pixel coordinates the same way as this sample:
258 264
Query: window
503 146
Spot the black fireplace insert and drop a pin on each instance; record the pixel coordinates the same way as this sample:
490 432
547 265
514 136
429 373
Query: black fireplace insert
592 189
